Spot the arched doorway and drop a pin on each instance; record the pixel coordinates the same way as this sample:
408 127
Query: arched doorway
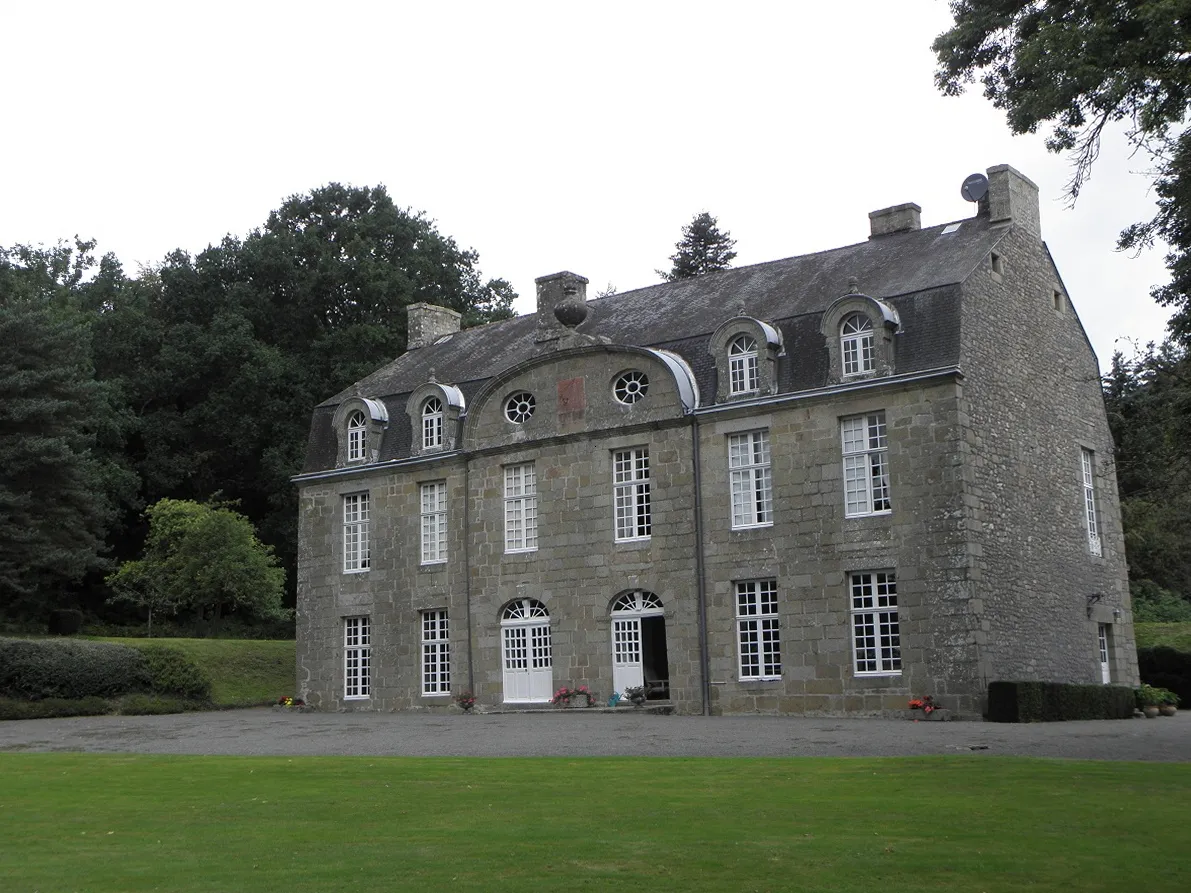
639 644
525 652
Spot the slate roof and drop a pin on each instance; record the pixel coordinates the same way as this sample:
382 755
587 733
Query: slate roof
914 271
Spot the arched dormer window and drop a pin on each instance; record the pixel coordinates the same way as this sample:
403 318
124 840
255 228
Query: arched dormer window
357 437
432 417
742 365
860 331
856 344
746 352
359 426
434 411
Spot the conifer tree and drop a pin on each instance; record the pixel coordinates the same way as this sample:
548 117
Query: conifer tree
703 248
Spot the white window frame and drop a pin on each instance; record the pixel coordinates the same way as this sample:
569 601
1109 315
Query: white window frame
876 629
357 552
866 465
521 508
357 437
758 631
751 475
1087 460
432 424
434 522
631 494
744 374
1103 634
856 344
357 658
436 653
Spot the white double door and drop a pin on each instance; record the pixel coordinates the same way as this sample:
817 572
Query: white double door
627 670
528 663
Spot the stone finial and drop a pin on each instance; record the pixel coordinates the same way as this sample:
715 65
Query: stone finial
853 285
556 290
432 378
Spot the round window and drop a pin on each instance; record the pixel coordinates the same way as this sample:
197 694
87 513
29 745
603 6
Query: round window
519 407
631 387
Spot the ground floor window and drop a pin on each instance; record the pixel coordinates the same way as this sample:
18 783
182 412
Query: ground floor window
758 630
1104 635
357 657
876 633
436 654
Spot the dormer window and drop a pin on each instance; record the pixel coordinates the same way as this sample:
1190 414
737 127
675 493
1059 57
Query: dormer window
856 344
742 365
432 417
357 437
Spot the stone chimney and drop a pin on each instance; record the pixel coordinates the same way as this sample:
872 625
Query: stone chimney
426 323
1012 198
898 219
553 290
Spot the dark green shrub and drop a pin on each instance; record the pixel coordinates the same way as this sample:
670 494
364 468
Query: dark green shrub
65 622
57 668
1057 701
48 708
1166 668
171 672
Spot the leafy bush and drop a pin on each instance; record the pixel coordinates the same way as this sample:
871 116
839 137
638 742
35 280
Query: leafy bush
172 672
1166 668
1153 604
65 621
54 668
1057 701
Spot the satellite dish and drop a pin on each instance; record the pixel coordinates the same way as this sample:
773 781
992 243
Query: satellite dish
974 188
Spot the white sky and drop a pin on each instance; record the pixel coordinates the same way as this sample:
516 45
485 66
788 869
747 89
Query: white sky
547 136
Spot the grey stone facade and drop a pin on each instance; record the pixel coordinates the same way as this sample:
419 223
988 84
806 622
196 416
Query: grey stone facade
918 525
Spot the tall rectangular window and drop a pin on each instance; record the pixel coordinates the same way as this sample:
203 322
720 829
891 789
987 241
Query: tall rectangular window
758 630
521 508
752 479
876 635
357 556
1103 632
1088 466
436 654
434 522
630 477
357 657
866 465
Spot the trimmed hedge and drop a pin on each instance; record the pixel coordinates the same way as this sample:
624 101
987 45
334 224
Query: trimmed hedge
174 673
1057 701
70 668
1166 668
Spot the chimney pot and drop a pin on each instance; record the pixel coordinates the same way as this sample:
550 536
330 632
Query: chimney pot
426 323
898 219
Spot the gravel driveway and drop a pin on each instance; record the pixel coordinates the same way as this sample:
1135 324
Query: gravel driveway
590 733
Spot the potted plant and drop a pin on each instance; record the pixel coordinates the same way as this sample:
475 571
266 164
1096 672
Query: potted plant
466 700
1170 703
572 697
635 694
1150 698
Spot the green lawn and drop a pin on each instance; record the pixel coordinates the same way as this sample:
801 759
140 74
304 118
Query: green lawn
244 672
132 823
1172 635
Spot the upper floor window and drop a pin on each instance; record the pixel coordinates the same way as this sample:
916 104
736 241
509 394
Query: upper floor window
357 437
356 552
630 475
521 508
1091 519
434 522
876 632
742 365
630 387
758 630
751 478
432 421
856 344
519 407
866 465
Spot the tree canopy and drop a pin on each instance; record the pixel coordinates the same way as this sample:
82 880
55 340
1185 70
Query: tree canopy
1078 66
703 248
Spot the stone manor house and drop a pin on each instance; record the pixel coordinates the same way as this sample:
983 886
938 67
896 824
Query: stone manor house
825 484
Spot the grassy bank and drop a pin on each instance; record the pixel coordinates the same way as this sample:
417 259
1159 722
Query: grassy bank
313 824
244 672
1169 635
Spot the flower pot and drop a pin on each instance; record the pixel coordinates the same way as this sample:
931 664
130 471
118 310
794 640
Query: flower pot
1150 711
580 701
1168 709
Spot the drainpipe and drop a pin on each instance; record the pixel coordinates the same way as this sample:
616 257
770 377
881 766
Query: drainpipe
471 658
700 571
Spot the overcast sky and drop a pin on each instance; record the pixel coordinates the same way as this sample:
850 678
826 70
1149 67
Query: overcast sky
547 136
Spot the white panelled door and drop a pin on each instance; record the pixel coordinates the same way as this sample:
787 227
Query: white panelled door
626 653
526 653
